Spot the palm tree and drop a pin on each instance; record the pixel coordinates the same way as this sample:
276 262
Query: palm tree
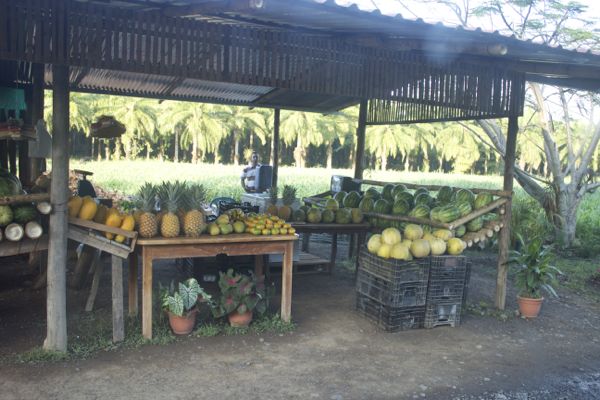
302 128
239 120
338 126
198 125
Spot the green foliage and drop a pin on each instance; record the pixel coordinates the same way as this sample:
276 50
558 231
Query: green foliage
240 293
184 299
534 272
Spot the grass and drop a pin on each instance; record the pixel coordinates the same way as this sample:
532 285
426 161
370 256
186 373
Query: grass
580 276
94 334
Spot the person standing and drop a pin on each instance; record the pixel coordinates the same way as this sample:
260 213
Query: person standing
248 178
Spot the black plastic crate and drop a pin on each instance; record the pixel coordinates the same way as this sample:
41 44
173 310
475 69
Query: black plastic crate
467 280
442 313
448 290
394 270
392 294
449 268
390 319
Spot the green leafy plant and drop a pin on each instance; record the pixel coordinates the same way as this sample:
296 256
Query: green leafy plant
240 293
534 272
184 299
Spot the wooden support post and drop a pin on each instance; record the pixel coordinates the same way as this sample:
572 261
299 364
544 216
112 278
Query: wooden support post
286 282
56 304
275 146
117 298
37 113
333 255
97 268
504 240
133 289
146 293
359 158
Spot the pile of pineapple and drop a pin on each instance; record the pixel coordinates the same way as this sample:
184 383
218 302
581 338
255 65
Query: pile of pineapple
86 208
288 196
180 210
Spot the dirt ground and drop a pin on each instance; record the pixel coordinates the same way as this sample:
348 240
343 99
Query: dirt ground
334 353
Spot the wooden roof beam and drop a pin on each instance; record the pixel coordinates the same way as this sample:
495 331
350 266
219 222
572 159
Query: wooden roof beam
592 85
556 71
211 7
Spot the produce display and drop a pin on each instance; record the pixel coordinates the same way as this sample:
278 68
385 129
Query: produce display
342 208
416 243
19 219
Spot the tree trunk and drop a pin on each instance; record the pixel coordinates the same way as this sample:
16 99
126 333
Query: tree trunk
176 146
406 163
148 150
107 150
117 152
383 158
99 152
330 155
127 149
161 150
236 148
299 153
92 153
195 148
217 157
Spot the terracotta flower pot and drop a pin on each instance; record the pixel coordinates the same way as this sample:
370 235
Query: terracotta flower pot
182 325
529 308
238 320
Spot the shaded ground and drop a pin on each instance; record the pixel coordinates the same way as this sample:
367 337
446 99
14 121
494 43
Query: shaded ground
333 354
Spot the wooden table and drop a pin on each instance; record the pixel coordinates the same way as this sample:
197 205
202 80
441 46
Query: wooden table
334 229
24 246
208 246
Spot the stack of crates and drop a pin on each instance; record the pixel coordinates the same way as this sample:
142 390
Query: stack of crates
392 293
448 279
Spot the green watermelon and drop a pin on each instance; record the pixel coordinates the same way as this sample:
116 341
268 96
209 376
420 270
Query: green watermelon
420 211
482 200
447 213
299 215
366 204
382 207
6 215
464 195
421 190
339 197
386 193
372 193
460 231
328 216
357 216
332 204
24 213
464 207
397 189
475 225
9 184
352 199
400 207
314 216
406 197
423 198
444 195
343 216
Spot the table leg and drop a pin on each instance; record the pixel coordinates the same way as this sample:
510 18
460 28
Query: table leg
259 265
117 299
305 242
97 265
146 293
333 255
133 288
286 282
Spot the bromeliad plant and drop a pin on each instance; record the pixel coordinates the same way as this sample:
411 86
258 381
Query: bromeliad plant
240 295
534 274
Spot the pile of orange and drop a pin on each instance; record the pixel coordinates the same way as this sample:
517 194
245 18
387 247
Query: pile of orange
263 224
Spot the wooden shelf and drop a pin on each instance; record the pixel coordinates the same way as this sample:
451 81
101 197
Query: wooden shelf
24 246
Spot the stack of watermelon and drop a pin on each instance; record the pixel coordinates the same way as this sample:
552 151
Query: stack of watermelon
16 220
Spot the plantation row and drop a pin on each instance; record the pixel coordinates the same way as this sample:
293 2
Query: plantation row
193 132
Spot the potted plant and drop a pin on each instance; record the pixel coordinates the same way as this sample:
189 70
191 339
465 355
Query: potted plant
180 305
240 296
534 275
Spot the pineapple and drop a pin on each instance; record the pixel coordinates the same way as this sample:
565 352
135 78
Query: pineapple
148 224
184 203
169 224
194 221
272 208
289 195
